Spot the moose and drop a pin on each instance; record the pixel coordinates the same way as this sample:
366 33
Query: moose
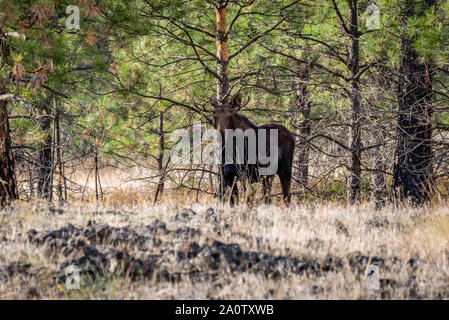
226 116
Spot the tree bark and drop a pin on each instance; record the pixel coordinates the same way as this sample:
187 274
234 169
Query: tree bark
8 184
59 164
222 50
355 112
378 178
413 164
222 72
44 170
160 158
302 109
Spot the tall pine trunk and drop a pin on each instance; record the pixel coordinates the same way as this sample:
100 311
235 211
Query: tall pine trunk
413 164
44 170
8 185
302 109
355 102
59 164
160 158
378 177
222 50
222 72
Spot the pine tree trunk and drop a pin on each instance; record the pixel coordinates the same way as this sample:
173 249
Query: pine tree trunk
59 164
413 164
222 51
96 170
302 109
222 72
44 170
355 113
8 185
160 158
378 179
378 134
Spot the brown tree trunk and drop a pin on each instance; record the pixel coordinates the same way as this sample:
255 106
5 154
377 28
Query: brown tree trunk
160 158
98 189
8 186
378 132
355 112
378 178
222 50
413 164
222 72
44 170
59 165
302 109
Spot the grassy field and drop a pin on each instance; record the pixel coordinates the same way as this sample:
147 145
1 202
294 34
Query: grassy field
174 250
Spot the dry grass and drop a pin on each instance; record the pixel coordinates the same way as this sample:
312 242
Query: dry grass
306 231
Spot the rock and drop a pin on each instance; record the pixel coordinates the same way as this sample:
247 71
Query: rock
206 276
341 228
378 223
185 214
384 283
56 211
32 293
359 262
14 268
113 212
211 216
315 244
316 289
187 232
70 227
415 263
332 264
157 227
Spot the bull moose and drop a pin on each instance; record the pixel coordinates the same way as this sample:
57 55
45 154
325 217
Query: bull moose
226 116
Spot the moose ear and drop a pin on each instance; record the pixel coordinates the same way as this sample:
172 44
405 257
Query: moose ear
213 101
236 100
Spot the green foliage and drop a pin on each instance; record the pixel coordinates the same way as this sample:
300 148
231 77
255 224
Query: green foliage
133 60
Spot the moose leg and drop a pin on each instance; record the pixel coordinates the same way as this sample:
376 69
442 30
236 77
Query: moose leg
267 182
285 175
222 183
244 185
234 194
230 181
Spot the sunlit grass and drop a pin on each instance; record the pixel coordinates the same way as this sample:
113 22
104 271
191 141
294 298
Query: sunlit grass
305 231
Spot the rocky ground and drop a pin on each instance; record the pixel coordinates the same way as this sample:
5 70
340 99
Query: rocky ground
203 253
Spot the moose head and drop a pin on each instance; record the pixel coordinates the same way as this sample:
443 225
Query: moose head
223 112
